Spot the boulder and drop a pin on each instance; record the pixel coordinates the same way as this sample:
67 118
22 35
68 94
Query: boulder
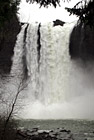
58 134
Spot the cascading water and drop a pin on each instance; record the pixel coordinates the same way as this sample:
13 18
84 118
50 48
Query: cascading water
54 88
48 76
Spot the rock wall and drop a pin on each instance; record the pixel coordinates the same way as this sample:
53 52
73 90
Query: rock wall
82 43
8 35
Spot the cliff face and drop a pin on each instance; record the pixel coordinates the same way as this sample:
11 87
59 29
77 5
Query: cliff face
82 43
8 36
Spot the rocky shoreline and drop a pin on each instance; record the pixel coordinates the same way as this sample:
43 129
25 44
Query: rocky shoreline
36 134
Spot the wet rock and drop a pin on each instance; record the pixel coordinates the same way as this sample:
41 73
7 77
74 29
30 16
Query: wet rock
36 138
36 134
64 130
58 22
51 131
35 129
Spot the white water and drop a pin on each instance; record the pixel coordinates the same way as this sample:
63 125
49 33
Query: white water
48 83
58 88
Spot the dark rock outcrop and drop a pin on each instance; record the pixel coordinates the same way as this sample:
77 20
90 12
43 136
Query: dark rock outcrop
82 43
38 44
25 70
58 22
8 36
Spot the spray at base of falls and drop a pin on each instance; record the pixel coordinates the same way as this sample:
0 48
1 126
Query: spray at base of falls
57 87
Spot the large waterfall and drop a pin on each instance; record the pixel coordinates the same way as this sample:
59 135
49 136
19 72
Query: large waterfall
56 85
49 75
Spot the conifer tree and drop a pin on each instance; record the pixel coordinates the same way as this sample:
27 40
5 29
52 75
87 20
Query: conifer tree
8 9
83 9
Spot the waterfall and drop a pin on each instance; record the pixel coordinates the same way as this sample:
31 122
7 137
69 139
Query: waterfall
49 75
55 82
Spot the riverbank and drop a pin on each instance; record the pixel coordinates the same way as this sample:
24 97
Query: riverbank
36 134
78 129
48 130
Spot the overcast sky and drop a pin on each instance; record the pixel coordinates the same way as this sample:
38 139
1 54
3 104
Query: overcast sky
32 12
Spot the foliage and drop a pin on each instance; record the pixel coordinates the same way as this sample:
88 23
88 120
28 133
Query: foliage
8 9
85 11
46 3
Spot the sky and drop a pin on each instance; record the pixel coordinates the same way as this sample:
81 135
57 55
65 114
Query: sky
32 12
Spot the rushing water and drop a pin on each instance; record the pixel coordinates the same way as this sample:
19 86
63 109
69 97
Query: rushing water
48 76
58 87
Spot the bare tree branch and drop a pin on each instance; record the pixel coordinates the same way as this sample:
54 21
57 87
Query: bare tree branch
21 87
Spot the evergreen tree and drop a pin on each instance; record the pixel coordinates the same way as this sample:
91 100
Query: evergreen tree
46 3
85 11
8 9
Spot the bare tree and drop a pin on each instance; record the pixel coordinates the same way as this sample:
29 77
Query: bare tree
22 85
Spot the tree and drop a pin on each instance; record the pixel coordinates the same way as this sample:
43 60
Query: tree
85 11
8 118
8 9
46 3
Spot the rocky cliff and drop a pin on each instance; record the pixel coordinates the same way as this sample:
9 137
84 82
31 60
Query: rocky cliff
8 35
82 42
